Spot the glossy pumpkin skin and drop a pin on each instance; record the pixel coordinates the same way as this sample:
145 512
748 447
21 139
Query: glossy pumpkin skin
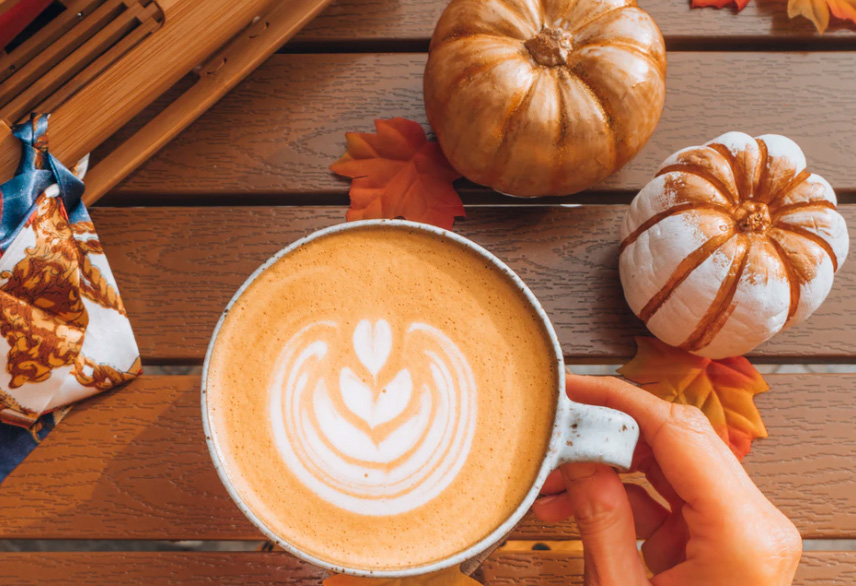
730 243
543 97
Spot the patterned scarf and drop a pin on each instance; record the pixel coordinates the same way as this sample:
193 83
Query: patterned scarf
64 333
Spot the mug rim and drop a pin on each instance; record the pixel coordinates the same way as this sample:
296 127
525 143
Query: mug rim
549 457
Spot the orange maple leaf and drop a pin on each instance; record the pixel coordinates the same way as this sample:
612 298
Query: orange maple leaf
722 389
449 577
398 173
818 11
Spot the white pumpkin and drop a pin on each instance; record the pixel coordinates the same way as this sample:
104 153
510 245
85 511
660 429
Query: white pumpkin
731 242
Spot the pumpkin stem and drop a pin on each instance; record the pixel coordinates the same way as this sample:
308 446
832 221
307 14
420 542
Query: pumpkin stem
551 46
753 216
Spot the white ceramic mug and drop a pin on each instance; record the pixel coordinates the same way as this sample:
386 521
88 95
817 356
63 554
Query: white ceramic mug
581 433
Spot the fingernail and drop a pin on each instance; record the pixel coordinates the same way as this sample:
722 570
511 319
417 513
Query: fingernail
579 470
546 500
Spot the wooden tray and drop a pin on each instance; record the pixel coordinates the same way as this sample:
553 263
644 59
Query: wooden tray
98 63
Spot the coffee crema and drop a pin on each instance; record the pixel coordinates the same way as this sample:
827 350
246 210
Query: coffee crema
381 397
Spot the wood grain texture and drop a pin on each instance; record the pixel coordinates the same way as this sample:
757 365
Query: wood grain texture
133 464
349 20
178 267
563 569
275 135
156 569
262 569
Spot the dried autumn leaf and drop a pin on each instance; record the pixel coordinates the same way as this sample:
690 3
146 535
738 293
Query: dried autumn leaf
723 389
449 577
739 4
398 173
843 9
818 11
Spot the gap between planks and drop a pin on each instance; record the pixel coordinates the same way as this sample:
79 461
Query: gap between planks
247 545
473 196
265 568
673 44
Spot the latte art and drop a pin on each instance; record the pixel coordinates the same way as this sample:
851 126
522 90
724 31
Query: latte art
374 440
381 397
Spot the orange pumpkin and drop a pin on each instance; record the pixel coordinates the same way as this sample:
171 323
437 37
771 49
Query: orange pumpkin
543 97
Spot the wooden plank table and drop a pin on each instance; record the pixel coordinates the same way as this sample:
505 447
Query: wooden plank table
251 176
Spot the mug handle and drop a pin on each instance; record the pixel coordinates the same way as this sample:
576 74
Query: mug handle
598 434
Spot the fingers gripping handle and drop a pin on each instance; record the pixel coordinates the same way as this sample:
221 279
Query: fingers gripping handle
598 434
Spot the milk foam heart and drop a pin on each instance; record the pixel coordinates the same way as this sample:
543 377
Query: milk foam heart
371 441
373 344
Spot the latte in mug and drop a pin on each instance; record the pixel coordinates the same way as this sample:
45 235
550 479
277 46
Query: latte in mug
381 397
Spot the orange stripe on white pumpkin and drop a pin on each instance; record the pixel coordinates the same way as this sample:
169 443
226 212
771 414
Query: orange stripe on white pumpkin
743 166
690 299
792 278
721 308
814 237
810 266
821 224
704 161
699 173
808 206
815 188
665 193
785 167
682 272
668 244
761 302
774 197
656 219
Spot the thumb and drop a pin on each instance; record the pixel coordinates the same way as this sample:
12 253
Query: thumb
605 520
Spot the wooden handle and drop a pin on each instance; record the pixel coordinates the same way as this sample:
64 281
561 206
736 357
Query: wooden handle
191 29
216 77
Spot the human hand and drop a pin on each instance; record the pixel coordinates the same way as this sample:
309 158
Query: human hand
718 530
